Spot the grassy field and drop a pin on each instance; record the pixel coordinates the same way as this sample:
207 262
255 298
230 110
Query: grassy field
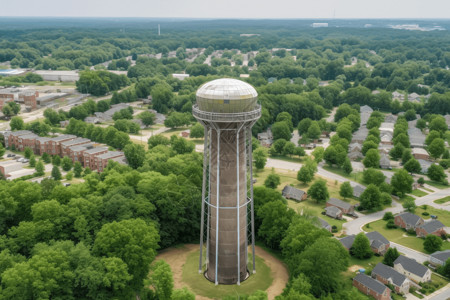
203 287
309 206
437 184
399 236
419 193
442 200
443 215
355 176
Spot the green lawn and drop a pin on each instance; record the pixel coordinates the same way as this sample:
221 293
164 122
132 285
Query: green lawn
310 207
442 200
203 287
419 193
437 184
288 177
353 176
295 159
405 198
400 236
443 215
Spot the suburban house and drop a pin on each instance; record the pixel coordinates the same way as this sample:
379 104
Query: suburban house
431 227
333 212
439 258
266 138
324 224
360 135
345 207
416 138
290 192
398 96
408 220
372 287
347 241
388 275
420 153
355 155
385 162
355 147
390 118
386 138
424 165
412 269
378 243
366 109
358 190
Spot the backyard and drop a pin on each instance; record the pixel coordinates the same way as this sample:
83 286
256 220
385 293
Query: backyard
400 236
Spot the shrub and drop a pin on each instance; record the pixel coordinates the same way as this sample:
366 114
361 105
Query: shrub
411 231
334 229
390 224
425 213
388 216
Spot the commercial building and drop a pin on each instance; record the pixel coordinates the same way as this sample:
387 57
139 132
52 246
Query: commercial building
66 76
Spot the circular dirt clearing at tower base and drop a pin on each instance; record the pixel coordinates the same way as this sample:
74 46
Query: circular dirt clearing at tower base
271 274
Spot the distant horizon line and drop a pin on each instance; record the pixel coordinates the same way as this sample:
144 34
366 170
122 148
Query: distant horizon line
222 18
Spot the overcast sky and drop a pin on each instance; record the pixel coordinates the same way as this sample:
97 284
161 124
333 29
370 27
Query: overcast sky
229 8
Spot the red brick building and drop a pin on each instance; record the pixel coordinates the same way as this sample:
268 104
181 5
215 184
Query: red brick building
28 140
70 143
54 144
13 137
408 221
89 156
41 145
372 287
76 152
103 159
434 227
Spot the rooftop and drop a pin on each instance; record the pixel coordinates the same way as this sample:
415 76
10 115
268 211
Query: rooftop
432 226
388 272
371 283
339 203
441 255
411 265
409 218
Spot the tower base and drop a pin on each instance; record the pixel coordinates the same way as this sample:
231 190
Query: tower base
228 282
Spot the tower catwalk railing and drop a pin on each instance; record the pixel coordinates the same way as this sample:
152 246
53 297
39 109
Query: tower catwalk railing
227 135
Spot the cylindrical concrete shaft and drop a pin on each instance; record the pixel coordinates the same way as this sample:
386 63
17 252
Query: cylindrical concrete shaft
227 183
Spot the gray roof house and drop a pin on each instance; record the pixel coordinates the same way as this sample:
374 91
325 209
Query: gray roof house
378 243
354 147
333 212
365 109
358 190
416 138
324 224
290 192
439 258
424 165
345 207
385 162
370 286
388 275
412 269
360 135
347 241
431 227
408 220
390 118
356 155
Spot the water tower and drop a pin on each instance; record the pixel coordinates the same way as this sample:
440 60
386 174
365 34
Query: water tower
228 109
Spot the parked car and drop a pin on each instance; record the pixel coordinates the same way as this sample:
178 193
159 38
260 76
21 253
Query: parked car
24 160
10 155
